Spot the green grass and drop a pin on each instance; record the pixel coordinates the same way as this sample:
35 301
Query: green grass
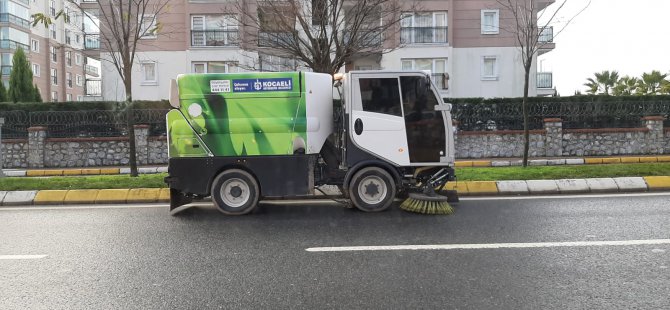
463 174
562 172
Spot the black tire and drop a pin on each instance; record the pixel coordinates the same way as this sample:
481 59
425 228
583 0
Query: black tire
235 192
372 189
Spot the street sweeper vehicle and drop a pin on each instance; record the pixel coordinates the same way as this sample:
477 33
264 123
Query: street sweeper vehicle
243 137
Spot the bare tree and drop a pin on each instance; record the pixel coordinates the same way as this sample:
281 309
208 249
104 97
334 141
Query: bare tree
319 34
122 26
529 34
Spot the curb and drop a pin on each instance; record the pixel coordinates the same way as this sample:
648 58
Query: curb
565 161
466 188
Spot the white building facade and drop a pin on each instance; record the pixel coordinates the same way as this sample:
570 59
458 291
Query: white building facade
458 40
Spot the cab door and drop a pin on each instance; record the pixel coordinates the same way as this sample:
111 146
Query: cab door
376 123
424 123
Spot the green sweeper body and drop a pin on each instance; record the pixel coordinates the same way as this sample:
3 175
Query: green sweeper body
243 137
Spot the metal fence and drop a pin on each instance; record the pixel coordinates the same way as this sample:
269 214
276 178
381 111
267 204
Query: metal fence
472 116
508 115
67 124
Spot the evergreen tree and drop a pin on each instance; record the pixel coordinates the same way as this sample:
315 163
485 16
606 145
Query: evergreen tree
38 96
3 92
21 79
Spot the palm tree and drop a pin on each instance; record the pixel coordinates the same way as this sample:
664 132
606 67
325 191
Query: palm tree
626 86
652 83
603 82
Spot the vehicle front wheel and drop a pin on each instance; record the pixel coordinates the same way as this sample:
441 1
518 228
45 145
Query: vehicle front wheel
372 189
235 192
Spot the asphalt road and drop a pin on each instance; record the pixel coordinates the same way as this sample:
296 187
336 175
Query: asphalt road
139 257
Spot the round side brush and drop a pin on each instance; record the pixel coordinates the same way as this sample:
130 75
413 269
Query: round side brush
427 204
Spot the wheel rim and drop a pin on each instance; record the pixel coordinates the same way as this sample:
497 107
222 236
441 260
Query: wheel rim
372 190
235 192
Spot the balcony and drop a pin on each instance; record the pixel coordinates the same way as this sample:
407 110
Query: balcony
367 39
545 80
13 19
274 39
423 35
91 70
93 87
91 41
546 40
13 45
547 35
545 84
215 37
543 4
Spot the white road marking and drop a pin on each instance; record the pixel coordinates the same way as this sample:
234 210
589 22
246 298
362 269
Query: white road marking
566 196
8 257
478 246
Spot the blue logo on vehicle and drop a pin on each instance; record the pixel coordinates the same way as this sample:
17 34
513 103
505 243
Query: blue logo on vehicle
257 85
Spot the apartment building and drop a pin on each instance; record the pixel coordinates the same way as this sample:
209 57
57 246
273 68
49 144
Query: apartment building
459 41
54 53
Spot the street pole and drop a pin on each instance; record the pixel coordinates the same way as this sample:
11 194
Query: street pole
2 122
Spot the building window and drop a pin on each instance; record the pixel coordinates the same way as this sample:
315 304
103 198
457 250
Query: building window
489 68
148 27
52 7
36 70
80 98
77 38
490 21
54 55
214 67
68 97
423 27
68 58
68 41
35 45
214 30
68 79
52 28
437 68
79 80
149 73
54 76
54 96
77 59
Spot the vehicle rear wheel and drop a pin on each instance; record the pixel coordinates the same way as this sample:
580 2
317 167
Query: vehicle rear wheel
235 192
372 189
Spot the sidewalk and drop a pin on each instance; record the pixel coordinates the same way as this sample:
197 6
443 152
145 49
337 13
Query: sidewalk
468 188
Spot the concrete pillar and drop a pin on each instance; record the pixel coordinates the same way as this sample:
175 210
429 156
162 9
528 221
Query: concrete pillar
142 144
553 140
654 140
36 138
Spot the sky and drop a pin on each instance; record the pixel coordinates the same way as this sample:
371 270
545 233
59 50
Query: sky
629 36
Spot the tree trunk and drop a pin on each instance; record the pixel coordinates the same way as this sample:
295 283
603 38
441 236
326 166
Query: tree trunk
524 104
130 116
